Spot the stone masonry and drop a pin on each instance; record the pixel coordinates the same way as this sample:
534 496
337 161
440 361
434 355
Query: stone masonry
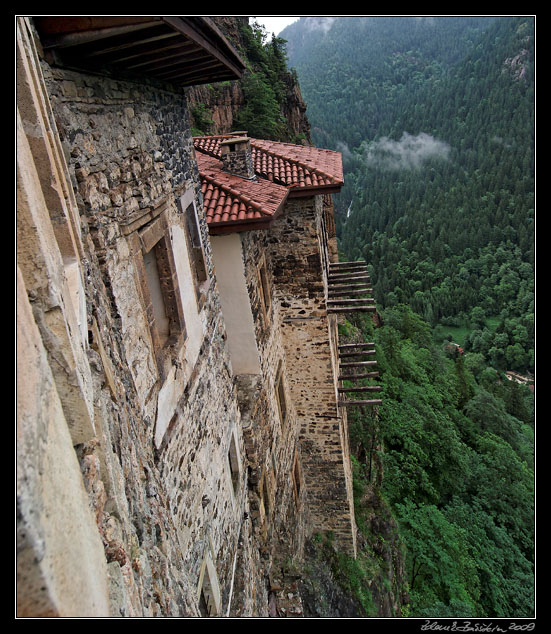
165 468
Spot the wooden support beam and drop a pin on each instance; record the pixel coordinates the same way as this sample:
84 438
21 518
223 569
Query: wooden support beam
351 302
347 346
357 364
353 403
357 354
337 266
365 388
349 291
334 279
347 272
352 309
365 375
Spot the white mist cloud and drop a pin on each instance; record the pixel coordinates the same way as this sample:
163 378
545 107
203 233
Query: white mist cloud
343 148
319 23
410 152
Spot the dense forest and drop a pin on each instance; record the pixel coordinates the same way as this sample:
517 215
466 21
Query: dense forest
435 120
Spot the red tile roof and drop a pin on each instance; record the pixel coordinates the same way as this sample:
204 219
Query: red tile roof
231 200
284 169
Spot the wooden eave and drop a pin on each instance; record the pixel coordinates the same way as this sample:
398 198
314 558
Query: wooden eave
183 50
250 224
302 192
239 226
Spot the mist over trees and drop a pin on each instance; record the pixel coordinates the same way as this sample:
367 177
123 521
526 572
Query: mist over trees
435 121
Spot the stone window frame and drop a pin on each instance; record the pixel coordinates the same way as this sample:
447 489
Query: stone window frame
208 588
296 475
234 463
281 395
154 235
265 289
196 250
265 494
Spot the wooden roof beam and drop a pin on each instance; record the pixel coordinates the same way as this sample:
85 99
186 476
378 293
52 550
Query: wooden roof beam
187 26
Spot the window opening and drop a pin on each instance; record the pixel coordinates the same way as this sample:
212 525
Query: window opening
160 289
296 478
207 600
196 253
158 294
264 287
210 603
233 460
280 394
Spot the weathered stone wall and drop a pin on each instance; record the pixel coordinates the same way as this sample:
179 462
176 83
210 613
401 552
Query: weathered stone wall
310 339
61 567
165 505
275 435
191 471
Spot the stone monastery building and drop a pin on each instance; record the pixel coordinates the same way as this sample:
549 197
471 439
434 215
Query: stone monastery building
180 424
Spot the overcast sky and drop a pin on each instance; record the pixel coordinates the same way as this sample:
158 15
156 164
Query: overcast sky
275 23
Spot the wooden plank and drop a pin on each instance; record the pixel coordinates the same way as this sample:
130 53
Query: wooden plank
334 279
364 388
347 265
357 354
369 402
344 272
347 290
357 364
365 375
351 302
347 346
353 309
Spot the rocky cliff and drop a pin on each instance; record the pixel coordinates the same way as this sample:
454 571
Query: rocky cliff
215 108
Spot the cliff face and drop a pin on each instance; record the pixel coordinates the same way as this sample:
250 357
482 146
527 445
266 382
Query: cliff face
323 584
214 108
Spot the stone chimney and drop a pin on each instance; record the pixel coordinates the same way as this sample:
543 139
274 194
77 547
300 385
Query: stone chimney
237 156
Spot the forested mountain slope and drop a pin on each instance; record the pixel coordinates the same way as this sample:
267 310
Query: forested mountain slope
435 118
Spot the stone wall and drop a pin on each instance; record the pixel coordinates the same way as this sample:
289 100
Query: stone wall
166 508
300 257
185 488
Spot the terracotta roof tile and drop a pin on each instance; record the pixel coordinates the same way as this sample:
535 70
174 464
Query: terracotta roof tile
285 163
283 169
230 199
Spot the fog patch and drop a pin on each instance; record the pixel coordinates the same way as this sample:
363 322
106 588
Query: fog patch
323 23
409 153
343 148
